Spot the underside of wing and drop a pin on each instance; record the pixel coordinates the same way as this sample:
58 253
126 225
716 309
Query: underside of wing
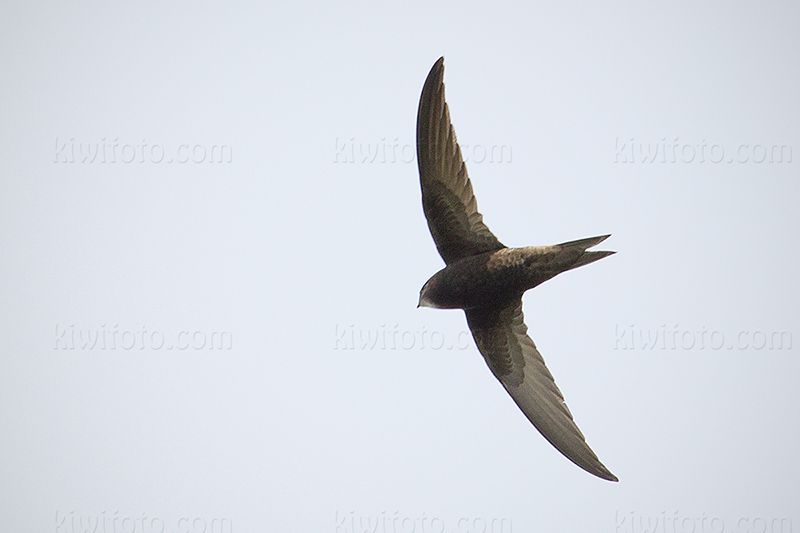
447 198
502 338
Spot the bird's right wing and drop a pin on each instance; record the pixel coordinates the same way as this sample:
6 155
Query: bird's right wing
502 338
447 198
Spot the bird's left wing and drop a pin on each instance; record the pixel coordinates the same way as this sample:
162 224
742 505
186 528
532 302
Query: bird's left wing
502 338
447 198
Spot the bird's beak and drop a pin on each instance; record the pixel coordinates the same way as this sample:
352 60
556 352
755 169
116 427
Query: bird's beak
425 302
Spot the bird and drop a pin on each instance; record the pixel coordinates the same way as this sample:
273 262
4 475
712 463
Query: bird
487 279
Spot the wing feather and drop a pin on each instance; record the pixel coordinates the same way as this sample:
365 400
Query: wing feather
447 198
502 338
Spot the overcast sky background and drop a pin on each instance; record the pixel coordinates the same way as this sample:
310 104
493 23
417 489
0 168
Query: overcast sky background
333 400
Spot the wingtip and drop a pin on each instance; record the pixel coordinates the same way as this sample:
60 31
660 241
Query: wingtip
434 83
596 468
437 70
591 465
608 476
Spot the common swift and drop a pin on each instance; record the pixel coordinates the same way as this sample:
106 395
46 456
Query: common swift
487 279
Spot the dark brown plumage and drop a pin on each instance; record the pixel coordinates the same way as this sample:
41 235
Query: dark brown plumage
487 279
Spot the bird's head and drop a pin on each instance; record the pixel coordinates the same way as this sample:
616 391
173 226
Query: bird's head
428 295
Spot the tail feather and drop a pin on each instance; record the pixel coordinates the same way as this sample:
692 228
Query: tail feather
590 257
586 257
585 243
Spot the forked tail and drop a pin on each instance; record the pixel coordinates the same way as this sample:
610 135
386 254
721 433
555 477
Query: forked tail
580 246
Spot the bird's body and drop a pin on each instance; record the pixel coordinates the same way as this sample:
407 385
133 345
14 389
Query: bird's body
487 279
502 276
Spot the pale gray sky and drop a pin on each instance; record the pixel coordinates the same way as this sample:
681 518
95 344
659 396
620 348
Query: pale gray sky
230 340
